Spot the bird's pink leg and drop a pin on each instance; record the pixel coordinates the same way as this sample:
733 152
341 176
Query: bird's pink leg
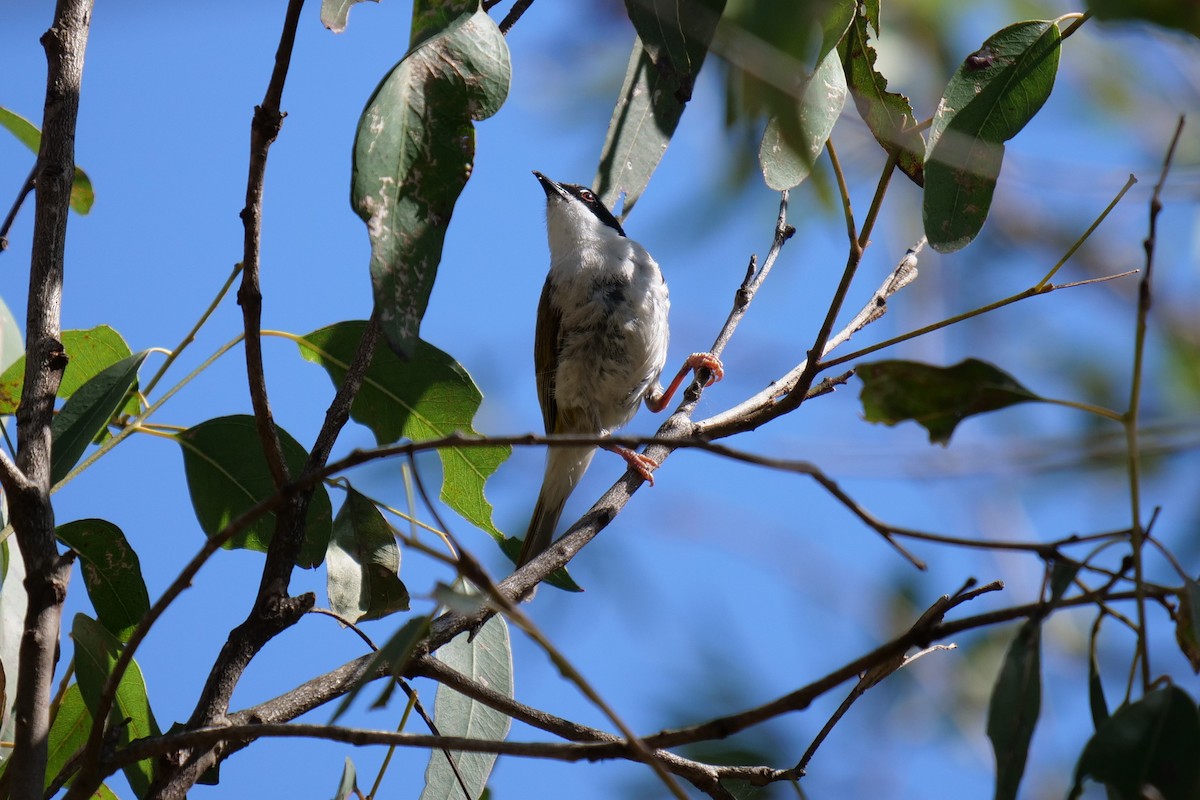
694 362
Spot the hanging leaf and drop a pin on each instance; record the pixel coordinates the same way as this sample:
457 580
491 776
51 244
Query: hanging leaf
96 652
336 13
28 134
1150 743
996 91
413 153
227 475
785 165
427 397
348 785
486 659
672 41
888 115
937 398
85 416
1187 623
395 653
1014 707
363 562
68 732
89 353
112 573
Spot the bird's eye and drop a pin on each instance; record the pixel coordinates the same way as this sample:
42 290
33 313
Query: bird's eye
587 196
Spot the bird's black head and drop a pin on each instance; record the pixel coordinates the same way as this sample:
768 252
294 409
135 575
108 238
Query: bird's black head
584 195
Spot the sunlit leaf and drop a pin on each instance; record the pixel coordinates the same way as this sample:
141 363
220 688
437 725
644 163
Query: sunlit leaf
413 153
111 573
88 352
362 563
68 731
426 397
335 13
485 659
994 93
1013 711
87 412
28 134
672 42
784 165
227 475
96 652
938 398
1150 743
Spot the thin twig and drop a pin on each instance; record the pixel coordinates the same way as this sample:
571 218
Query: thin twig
26 188
514 14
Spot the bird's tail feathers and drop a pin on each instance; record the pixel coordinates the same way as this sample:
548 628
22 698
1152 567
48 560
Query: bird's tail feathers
564 468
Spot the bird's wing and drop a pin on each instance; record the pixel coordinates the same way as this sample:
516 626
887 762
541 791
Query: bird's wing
545 356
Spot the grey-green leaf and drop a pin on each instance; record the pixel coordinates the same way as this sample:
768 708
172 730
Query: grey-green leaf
112 573
96 652
1013 711
938 398
413 153
487 660
336 13
783 164
363 562
86 414
672 41
426 397
348 785
994 93
1150 743
227 474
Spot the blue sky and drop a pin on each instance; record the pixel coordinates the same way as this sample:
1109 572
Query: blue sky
724 585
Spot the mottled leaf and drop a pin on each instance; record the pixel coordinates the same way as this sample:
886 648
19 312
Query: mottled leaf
89 352
937 398
413 153
227 475
1013 710
112 573
363 562
427 397
96 652
993 94
28 134
1150 743
672 41
486 659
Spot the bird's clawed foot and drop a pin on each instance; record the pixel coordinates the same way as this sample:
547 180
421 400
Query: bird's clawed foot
642 464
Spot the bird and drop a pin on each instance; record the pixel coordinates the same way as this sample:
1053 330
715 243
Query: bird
600 345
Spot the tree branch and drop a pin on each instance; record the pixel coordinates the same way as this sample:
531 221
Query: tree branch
30 510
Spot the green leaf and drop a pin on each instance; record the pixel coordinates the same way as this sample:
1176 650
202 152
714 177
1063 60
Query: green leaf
888 115
938 398
821 101
96 652
335 13
68 732
111 572
994 93
1168 13
413 152
89 353
1187 623
13 602
1152 742
427 397
1096 702
86 414
1062 572
348 785
395 653
227 475
1013 711
672 41
28 134
363 562
486 659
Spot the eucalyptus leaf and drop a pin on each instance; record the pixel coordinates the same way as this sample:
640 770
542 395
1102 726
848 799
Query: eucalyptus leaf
413 152
86 414
427 397
785 165
990 98
336 13
485 659
1014 707
96 652
227 475
112 573
938 398
89 352
363 562
1187 623
395 654
68 732
82 195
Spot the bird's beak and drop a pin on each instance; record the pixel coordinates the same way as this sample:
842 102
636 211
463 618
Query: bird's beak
551 188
